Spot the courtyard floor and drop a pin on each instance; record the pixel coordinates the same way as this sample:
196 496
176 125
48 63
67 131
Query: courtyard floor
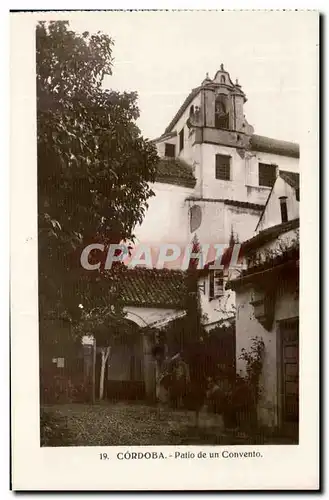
129 424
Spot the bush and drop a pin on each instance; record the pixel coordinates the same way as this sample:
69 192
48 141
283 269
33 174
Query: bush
60 389
232 397
54 430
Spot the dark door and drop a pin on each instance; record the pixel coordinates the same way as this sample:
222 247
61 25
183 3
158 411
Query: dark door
290 364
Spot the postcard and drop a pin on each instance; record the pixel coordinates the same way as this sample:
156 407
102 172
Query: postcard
164 284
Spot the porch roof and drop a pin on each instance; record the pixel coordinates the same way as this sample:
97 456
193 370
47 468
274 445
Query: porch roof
269 234
284 263
159 288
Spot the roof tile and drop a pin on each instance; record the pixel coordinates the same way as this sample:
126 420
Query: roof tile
269 234
143 287
274 146
175 171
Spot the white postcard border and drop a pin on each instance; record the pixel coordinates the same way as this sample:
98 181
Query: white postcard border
35 468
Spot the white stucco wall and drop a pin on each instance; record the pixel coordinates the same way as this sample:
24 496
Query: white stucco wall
283 162
166 220
272 213
220 219
218 309
247 327
241 177
161 145
187 152
212 227
244 184
242 221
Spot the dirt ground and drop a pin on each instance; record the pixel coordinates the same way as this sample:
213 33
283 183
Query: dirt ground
120 424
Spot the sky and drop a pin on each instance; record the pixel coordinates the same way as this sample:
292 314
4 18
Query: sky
163 55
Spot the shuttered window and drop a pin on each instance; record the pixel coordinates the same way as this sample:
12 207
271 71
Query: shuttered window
266 174
223 167
216 284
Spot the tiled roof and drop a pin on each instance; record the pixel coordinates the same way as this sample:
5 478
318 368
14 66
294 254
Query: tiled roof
153 288
268 145
291 178
269 234
164 136
181 110
282 263
175 171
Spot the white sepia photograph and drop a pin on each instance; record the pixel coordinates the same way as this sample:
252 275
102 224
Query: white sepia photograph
170 181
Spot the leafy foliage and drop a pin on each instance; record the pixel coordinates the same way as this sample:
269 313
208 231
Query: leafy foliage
94 167
283 249
54 430
254 363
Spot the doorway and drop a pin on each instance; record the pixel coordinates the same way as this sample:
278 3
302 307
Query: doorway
289 375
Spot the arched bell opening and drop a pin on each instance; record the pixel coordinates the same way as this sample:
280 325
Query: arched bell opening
221 112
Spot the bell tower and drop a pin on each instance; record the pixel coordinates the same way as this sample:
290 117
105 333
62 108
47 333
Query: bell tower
223 103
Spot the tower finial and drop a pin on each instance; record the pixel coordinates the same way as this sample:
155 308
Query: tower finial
222 67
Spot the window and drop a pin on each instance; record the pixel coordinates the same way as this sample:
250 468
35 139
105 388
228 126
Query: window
283 207
223 170
170 150
266 174
297 194
216 284
181 140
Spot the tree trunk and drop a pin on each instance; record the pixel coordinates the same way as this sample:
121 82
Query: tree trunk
93 388
105 352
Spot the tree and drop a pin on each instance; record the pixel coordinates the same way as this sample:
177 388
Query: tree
94 168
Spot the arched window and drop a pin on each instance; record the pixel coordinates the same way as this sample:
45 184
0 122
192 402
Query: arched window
222 79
